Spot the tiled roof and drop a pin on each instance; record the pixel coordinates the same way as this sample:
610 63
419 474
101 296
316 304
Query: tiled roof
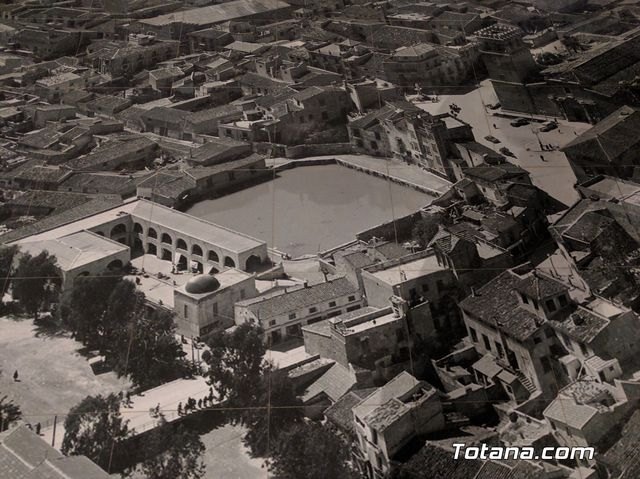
582 325
23 454
494 172
496 304
301 298
84 210
624 455
539 286
108 152
335 383
341 413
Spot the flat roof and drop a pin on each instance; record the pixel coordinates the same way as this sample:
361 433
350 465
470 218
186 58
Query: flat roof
408 271
154 213
76 249
174 220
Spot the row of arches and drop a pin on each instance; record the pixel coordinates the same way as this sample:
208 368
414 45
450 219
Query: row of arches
197 253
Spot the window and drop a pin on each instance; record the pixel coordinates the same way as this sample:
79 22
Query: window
474 335
546 364
292 316
524 298
399 334
272 322
500 350
551 305
332 304
313 310
374 436
215 309
425 288
186 312
352 298
487 343
563 300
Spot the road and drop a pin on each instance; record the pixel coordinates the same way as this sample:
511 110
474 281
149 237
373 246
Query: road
553 174
167 396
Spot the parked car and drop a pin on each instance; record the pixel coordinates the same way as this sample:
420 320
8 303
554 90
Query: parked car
550 125
519 122
492 139
506 152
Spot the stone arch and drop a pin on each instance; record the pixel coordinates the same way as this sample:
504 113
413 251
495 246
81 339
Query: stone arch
115 264
181 244
182 264
253 263
118 229
167 255
213 270
137 228
152 249
137 245
166 238
229 262
99 233
197 250
152 233
213 256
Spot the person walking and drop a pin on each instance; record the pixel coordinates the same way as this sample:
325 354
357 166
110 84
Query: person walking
15 376
38 428
179 409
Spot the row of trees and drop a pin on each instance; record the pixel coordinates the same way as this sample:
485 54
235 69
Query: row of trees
265 403
95 428
107 313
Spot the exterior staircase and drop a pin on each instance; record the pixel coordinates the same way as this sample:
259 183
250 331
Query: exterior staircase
526 382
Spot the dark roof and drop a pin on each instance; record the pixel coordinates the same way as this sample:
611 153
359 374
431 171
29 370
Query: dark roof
169 116
590 225
493 173
624 456
89 208
341 414
214 113
496 304
582 325
539 287
610 137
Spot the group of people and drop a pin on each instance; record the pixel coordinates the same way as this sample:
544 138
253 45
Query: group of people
192 405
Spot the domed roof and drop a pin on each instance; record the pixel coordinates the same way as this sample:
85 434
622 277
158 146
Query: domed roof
201 284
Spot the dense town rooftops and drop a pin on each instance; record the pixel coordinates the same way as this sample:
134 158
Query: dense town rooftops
218 13
271 306
582 325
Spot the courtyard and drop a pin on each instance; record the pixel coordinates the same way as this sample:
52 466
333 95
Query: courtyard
54 374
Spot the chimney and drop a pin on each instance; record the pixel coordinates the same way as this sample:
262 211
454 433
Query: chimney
306 283
324 273
473 292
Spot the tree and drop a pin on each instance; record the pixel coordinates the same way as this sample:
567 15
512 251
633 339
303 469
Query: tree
83 307
124 306
277 409
95 428
312 451
9 413
236 364
173 453
424 230
155 356
7 255
36 280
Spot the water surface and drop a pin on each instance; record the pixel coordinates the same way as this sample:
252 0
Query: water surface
312 208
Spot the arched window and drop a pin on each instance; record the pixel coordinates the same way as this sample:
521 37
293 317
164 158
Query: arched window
181 244
137 228
167 239
152 233
213 256
229 262
196 250
118 229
